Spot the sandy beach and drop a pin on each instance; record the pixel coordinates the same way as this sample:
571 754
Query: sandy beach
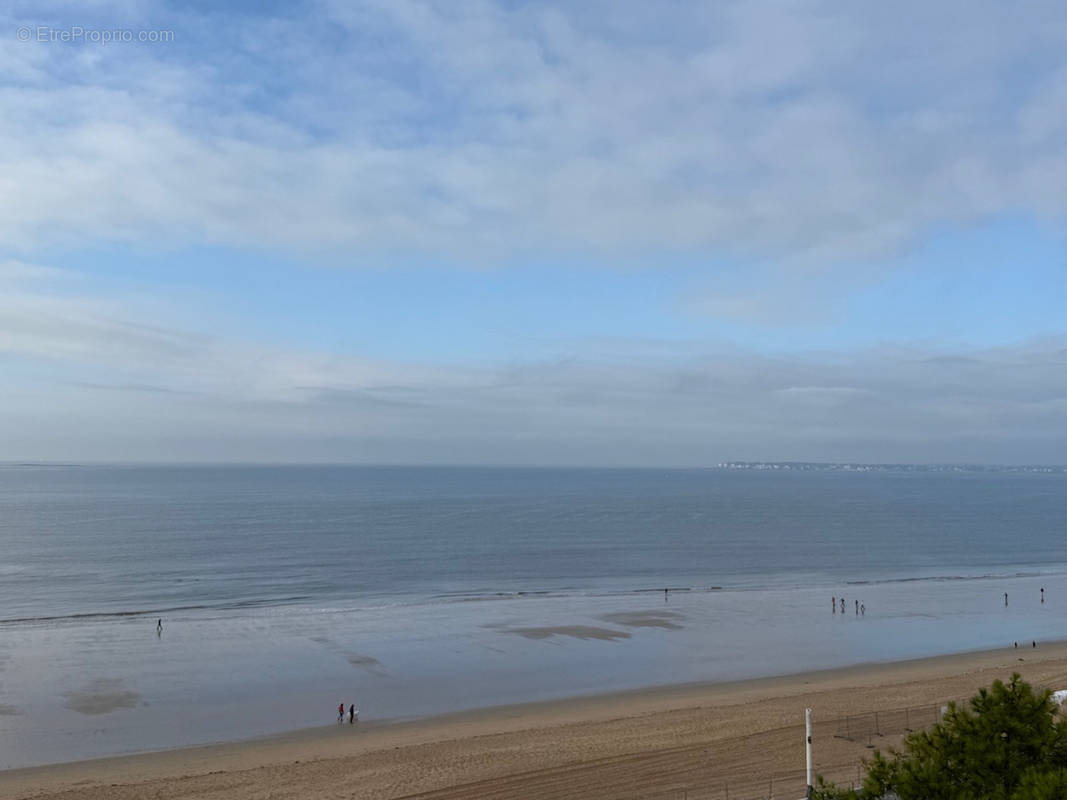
739 739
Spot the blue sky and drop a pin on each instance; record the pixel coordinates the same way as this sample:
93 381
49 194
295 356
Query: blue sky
537 233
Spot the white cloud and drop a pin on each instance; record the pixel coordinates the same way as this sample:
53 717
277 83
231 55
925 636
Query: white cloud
806 131
13 272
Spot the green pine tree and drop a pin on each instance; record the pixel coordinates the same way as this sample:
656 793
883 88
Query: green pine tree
1009 743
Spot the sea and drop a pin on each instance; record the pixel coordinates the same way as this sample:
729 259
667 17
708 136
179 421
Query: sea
415 591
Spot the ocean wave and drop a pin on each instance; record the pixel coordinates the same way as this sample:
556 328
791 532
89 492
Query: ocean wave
992 576
225 605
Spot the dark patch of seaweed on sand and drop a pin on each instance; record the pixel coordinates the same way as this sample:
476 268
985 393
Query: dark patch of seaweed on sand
366 662
583 632
669 620
101 696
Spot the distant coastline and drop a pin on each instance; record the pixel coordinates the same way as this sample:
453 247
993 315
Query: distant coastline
818 466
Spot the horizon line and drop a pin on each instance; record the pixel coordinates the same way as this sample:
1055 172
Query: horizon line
720 465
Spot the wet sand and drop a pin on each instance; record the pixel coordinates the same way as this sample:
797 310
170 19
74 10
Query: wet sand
112 687
697 738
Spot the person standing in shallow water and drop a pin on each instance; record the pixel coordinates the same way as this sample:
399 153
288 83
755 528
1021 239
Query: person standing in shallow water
159 627
833 604
340 713
351 713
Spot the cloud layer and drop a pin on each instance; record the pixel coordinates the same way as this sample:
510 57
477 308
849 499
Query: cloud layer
806 132
84 380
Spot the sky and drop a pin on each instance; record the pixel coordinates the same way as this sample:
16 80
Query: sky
533 233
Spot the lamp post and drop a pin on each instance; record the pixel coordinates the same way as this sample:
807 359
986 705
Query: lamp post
807 750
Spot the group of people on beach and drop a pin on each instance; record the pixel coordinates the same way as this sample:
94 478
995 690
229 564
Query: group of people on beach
353 715
861 609
1033 642
1042 597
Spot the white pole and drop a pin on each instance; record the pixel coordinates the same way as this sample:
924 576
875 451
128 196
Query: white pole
807 748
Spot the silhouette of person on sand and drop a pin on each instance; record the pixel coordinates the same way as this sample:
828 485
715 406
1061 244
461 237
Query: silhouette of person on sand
351 713
159 627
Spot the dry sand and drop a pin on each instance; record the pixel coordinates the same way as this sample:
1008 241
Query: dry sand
738 740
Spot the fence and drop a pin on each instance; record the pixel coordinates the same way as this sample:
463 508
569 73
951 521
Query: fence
767 765
865 728
790 785
843 767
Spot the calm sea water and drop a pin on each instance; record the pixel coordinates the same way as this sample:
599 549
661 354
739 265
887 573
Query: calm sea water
421 590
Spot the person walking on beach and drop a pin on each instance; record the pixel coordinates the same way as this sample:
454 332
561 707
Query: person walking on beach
340 713
159 626
1005 599
863 610
351 713
1042 594
833 604
842 605
857 608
